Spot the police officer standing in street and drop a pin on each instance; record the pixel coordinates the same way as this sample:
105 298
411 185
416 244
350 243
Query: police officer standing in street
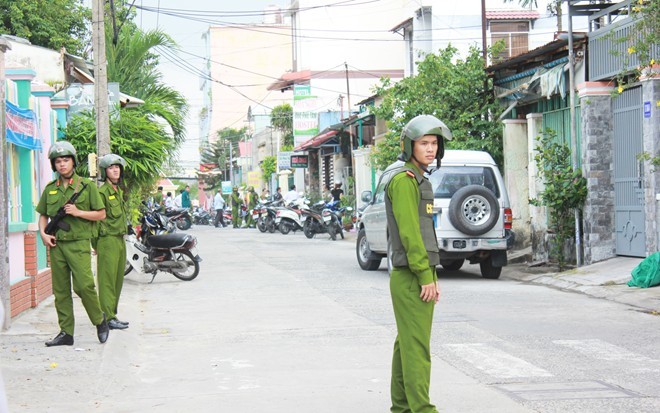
110 246
236 203
414 253
252 200
70 249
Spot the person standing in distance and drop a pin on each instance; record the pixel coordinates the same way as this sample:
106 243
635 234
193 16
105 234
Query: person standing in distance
415 254
110 246
252 200
158 197
236 203
185 198
219 206
70 250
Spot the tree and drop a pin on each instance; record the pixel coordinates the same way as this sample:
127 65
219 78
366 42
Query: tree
268 167
132 64
281 118
450 88
48 23
565 190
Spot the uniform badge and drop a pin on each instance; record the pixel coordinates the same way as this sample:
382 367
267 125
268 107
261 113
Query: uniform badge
53 192
429 208
111 197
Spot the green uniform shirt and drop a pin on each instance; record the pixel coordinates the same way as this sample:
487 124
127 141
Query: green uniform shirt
253 199
115 211
403 191
55 196
235 200
158 198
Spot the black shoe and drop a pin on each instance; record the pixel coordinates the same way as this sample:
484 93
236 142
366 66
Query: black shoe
62 339
122 322
103 330
114 324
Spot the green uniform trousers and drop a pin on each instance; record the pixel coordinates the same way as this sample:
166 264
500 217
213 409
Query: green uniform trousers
411 362
71 260
111 251
235 217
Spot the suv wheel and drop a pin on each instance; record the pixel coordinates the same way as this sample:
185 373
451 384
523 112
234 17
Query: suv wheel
474 210
368 260
488 271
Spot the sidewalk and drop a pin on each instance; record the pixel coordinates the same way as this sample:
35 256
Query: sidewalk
605 279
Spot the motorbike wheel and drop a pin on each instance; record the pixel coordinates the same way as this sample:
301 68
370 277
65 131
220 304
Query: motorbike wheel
340 230
127 268
308 229
284 228
332 230
270 223
187 274
261 225
183 223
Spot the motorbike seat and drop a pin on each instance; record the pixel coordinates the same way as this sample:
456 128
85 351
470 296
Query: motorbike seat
168 240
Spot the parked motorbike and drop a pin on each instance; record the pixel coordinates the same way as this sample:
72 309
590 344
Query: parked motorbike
267 216
149 253
180 217
290 218
200 216
315 222
335 213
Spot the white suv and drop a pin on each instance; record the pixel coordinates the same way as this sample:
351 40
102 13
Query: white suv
472 215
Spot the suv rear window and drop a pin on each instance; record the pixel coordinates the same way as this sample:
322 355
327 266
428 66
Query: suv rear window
449 179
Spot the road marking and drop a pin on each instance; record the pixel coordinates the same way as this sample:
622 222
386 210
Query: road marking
564 391
496 362
603 350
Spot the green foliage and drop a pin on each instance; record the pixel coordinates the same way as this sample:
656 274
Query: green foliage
48 23
268 167
134 136
349 200
281 118
450 88
565 191
132 64
642 41
654 160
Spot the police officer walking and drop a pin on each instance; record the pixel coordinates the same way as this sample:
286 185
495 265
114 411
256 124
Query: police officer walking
110 246
70 249
236 203
414 253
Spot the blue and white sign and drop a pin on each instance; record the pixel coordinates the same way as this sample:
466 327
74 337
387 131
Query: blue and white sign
647 109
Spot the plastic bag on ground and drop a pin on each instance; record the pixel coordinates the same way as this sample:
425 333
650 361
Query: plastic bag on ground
647 273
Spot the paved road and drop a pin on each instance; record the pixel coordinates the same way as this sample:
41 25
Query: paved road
284 324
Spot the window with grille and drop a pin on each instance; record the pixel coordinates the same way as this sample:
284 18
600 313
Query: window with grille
515 36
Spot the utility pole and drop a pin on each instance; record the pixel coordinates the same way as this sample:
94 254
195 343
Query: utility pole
100 79
5 290
348 92
574 154
231 164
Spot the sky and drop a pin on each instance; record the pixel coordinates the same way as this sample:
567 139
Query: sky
188 35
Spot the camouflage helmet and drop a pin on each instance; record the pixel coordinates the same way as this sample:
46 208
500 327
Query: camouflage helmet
420 126
107 161
59 149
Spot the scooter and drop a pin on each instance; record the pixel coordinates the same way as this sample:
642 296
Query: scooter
148 253
201 216
267 215
335 223
290 218
315 222
180 216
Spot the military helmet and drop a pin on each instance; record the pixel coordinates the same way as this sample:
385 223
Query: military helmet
59 149
419 126
235 188
250 189
107 161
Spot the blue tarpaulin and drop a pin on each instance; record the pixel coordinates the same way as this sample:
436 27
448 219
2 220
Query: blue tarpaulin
22 128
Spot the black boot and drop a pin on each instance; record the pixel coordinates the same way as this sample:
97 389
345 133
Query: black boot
115 324
103 330
62 339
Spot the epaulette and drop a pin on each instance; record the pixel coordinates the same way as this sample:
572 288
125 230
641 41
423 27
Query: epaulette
410 174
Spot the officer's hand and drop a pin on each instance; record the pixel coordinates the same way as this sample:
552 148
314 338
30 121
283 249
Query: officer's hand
437 288
48 240
72 209
429 292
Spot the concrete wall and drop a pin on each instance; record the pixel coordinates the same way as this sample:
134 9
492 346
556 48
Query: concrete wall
538 216
47 63
597 167
516 177
651 145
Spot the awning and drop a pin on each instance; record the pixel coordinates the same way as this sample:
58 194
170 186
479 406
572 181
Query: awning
317 141
287 80
22 129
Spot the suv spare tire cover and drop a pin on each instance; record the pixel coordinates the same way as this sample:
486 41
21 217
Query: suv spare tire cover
474 210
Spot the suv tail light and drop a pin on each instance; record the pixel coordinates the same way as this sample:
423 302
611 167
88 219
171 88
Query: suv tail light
508 218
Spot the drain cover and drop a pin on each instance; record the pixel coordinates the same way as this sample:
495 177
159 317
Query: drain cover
564 391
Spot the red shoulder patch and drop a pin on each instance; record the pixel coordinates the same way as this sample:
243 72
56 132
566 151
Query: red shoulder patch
410 174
